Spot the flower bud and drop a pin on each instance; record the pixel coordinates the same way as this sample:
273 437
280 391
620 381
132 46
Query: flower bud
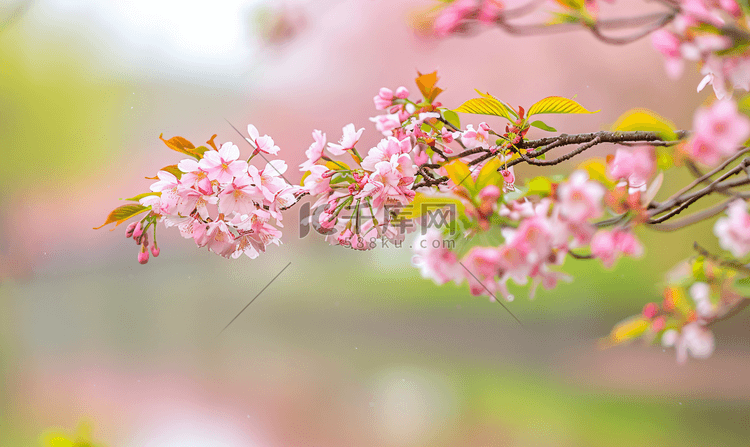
137 230
143 255
130 229
155 250
650 310
402 92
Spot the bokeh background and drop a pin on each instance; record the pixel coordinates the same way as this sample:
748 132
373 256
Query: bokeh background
344 348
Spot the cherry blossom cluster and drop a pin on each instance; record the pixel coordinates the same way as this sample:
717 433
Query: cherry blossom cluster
719 131
708 32
218 200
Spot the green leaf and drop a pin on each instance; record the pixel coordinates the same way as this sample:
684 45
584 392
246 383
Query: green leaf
541 125
540 186
172 169
460 174
645 120
742 286
743 104
597 170
145 194
486 105
424 203
451 117
489 175
123 213
557 104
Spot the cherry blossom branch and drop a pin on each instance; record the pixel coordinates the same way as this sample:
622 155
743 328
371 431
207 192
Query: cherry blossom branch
682 202
705 177
663 21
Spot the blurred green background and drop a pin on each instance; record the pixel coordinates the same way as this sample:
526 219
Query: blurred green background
344 348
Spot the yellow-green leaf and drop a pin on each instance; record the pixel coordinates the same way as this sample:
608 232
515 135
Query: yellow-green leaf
597 170
486 105
123 213
451 117
540 186
460 174
628 329
337 165
557 104
489 175
145 194
645 120
423 202
543 126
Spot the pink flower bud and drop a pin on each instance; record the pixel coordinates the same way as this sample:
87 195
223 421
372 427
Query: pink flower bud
143 256
329 173
508 177
402 92
138 230
650 310
155 250
129 231
489 193
658 324
385 93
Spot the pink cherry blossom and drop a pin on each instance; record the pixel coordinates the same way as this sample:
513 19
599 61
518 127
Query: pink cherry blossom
733 230
316 183
635 166
490 11
608 245
348 140
315 151
385 149
223 165
386 123
579 198
668 44
194 176
168 185
402 92
452 16
240 196
695 340
435 260
384 99
720 131
484 265
263 144
476 138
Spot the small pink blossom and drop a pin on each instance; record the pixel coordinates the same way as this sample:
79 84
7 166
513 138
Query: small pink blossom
668 44
435 260
608 245
579 198
476 138
316 183
384 99
733 230
223 165
263 144
385 149
240 196
194 176
720 130
315 151
386 123
695 340
348 140
402 92
483 265
635 166
490 11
